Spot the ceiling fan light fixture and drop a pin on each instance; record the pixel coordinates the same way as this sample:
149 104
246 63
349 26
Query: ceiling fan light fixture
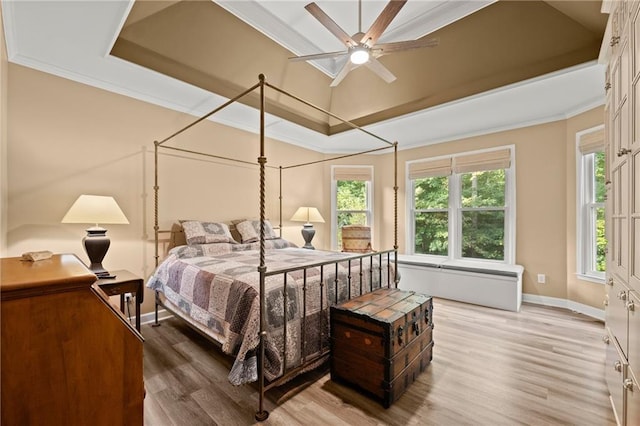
363 48
359 55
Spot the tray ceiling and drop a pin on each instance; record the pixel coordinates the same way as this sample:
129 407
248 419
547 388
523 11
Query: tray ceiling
499 64
483 45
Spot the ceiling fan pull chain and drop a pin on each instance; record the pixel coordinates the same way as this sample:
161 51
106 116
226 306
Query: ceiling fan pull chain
359 16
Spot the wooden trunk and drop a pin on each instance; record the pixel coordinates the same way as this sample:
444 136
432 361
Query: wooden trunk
381 341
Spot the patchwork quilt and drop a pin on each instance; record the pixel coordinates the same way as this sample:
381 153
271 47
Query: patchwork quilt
219 289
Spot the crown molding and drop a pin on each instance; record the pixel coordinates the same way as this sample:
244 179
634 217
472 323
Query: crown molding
442 14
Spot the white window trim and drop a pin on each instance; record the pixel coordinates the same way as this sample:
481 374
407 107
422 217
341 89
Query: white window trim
370 204
583 237
454 222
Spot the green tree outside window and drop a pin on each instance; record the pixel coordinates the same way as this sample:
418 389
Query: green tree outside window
599 197
431 223
482 202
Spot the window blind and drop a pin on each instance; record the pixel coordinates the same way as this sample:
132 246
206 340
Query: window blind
352 173
432 168
591 142
491 160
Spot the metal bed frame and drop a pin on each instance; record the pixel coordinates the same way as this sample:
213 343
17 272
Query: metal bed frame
261 413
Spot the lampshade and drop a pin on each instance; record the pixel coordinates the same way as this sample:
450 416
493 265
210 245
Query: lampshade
95 209
307 214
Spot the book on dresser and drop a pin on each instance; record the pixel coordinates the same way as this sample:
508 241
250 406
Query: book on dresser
68 357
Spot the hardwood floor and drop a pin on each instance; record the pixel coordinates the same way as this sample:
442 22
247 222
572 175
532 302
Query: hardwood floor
542 366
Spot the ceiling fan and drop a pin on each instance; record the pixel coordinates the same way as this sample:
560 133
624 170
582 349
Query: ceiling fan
361 47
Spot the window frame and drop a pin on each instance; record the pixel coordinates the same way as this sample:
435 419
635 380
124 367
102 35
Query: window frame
586 209
455 212
412 222
334 201
461 210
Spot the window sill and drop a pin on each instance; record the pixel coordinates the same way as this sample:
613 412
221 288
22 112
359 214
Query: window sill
590 278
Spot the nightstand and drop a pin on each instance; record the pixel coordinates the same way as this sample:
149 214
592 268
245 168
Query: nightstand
124 282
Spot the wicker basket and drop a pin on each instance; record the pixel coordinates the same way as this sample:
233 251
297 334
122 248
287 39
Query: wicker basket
356 238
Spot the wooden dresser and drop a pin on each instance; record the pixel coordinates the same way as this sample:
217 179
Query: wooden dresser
382 341
68 356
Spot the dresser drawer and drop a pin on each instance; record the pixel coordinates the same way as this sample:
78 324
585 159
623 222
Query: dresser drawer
616 314
615 373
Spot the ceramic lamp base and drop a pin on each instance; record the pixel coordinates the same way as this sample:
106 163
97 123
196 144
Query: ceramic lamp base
96 244
307 233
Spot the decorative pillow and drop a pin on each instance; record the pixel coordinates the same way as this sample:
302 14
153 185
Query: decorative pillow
197 232
250 231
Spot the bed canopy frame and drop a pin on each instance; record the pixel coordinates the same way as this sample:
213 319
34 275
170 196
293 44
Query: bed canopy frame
261 413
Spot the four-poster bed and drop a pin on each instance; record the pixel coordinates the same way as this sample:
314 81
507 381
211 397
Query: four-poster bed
273 317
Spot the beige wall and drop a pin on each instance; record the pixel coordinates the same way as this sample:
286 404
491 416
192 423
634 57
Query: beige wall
545 202
67 139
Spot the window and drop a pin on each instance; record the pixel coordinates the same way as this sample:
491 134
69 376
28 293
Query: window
351 199
482 207
591 191
431 218
459 206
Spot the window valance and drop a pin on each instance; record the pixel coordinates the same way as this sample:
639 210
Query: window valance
591 142
490 160
430 168
353 173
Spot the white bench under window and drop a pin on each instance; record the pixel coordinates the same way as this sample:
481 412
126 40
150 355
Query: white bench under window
493 285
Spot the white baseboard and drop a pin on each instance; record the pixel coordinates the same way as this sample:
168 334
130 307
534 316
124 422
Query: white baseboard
151 316
564 303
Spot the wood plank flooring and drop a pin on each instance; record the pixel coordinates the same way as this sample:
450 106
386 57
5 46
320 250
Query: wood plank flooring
541 366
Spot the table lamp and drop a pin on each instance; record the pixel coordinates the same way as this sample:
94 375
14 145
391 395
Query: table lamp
96 209
308 215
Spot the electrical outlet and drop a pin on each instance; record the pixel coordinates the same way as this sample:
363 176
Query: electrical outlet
542 278
128 296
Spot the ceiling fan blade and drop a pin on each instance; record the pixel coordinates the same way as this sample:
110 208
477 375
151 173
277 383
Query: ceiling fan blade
348 66
383 49
329 24
318 56
382 22
377 67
